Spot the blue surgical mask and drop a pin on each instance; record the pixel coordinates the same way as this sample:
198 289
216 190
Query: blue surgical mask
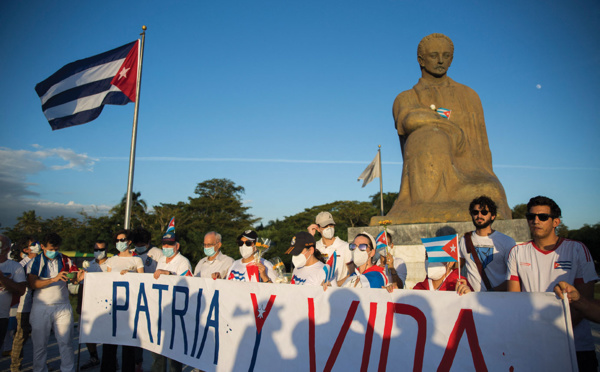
141 249
209 251
168 252
122 246
51 254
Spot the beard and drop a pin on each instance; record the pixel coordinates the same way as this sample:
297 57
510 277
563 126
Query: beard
482 225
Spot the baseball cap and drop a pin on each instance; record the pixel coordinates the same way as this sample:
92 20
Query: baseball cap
324 218
248 234
169 238
300 241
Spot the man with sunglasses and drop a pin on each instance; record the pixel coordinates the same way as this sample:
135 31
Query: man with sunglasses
539 265
249 268
485 250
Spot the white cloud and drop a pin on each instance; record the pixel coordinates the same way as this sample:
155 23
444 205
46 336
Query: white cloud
15 194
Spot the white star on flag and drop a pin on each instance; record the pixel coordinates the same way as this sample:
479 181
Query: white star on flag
453 248
123 73
261 311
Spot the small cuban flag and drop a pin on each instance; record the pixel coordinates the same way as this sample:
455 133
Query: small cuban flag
331 262
445 113
171 226
382 243
442 248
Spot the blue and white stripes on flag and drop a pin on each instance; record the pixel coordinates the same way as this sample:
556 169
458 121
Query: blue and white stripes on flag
77 93
441 248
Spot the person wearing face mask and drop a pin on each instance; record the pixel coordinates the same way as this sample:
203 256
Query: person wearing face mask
125 262
216 264
367 274
149 255
172 263
309 268
30 248
97 265
335 251
248 268
51 310
443 276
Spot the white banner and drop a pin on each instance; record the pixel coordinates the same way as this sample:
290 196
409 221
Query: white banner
218 325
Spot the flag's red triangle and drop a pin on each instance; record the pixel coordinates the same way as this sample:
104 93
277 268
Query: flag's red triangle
126 77
452 248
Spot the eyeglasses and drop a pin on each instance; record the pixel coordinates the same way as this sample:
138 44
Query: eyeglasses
475 213
247 242
121 240
541 216
361 247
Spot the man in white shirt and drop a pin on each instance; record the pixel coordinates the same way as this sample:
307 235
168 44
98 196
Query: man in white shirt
484 251
215 265
172 263
539 265
12 282
335 251
49 274
29 248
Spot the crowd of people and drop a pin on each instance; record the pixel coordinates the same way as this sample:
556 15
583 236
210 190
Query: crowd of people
490 261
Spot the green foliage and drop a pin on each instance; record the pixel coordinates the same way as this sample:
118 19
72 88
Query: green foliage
388 201
590 236
518 211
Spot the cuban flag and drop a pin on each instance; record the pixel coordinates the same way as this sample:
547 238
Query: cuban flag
445 113
381 240
442 248
77 93
171 226
331 262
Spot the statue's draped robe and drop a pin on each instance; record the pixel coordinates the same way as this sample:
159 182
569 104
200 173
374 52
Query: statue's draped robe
447 162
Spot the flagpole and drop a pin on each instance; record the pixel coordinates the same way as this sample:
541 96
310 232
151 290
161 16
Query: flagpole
134 132
380 180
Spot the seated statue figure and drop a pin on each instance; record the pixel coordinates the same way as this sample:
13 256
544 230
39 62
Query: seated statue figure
447 159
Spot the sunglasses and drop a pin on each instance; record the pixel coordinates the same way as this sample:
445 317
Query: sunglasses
484 212
541 216
247 242
99 250
121 240
361 247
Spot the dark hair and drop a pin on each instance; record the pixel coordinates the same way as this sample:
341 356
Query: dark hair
102 241
318 254
389 237
365 236
140 235
52 238
545 201
484 201
127 234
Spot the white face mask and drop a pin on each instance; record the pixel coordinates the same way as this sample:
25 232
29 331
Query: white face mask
299 260
100 255
122 246
436 270
328 232
35 248
140 249
246 251
359 257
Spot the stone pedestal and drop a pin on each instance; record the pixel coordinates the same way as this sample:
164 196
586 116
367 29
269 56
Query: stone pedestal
408 246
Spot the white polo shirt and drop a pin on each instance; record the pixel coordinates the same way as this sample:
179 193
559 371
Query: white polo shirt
221 264
310 275
343 256
248 272
179 265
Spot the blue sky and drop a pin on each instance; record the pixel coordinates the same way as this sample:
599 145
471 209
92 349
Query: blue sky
290 99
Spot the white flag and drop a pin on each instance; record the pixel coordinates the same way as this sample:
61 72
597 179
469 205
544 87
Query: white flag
371 171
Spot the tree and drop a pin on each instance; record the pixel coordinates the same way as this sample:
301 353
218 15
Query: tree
218 207
388 201
139 216
518 211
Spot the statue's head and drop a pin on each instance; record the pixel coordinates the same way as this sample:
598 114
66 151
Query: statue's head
435 53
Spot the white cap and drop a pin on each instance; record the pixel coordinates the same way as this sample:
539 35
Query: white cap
324 218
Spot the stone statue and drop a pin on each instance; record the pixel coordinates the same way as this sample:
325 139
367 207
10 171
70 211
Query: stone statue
447 159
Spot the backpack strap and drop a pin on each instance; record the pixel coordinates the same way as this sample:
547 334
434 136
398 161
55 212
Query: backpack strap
471 250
